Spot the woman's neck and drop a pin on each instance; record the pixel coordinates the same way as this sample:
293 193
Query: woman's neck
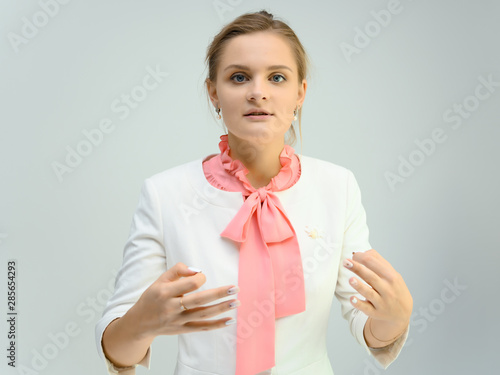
261 160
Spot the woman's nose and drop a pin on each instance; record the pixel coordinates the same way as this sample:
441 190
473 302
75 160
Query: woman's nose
257 91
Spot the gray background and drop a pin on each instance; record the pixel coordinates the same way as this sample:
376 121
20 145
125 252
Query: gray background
438 226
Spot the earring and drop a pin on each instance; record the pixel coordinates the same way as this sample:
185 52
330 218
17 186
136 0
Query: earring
218 113
295 113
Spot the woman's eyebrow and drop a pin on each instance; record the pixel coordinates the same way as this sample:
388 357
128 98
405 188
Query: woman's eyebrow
244 67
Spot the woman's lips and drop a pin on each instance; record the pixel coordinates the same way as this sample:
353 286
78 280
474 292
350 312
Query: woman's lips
258 115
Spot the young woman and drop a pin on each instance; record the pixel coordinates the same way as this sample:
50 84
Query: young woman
275 235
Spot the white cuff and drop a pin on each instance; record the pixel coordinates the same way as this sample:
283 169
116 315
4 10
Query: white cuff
388 354
130 370
112 369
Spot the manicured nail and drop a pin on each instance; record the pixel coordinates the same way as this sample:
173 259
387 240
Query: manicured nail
234 304
229 322
347 263
194 269
233 290
354 282
354 300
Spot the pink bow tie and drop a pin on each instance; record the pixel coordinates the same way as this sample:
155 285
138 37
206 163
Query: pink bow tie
270 277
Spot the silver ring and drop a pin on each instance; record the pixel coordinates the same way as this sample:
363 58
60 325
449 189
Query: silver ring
184 308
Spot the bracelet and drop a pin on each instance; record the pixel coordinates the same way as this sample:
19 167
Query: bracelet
391 340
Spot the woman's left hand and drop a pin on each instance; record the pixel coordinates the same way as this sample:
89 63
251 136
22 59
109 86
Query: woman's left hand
388 301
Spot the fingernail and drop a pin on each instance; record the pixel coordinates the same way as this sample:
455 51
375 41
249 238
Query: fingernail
194 269
354 282
234 304
229 322
347 263
354 300
233 290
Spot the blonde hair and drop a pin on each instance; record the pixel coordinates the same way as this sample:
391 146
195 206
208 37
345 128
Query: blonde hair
254 22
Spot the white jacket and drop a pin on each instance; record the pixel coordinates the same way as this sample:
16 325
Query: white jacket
179 218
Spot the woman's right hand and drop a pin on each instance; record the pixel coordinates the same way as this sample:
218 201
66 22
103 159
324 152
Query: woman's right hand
159 311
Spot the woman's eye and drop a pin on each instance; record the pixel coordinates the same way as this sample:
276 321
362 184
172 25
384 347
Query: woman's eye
241 78
238 77
278 78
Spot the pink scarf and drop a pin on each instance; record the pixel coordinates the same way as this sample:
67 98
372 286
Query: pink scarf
269 251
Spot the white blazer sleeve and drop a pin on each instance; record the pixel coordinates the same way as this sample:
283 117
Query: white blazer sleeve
144 261
356 239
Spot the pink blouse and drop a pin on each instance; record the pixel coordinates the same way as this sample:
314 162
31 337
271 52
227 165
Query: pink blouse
268 249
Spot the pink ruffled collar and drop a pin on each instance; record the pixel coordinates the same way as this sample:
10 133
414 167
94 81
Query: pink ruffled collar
287 176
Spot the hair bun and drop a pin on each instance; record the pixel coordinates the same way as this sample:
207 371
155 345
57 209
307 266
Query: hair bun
266 13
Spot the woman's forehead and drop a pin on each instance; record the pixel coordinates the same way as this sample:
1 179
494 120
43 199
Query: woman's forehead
256 49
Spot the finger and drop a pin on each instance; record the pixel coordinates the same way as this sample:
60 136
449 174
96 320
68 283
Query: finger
364 306
197 299
374 261
178 271
366 291
205 312
181 279
365 273
207 325
185 285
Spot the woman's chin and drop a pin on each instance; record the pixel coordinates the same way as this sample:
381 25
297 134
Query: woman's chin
259 133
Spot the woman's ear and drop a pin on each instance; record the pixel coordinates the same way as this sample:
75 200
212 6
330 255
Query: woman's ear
212 92
302 92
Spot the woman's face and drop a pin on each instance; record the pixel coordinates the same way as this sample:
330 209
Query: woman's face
257 87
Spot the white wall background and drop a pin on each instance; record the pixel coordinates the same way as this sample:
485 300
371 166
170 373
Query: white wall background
438 225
